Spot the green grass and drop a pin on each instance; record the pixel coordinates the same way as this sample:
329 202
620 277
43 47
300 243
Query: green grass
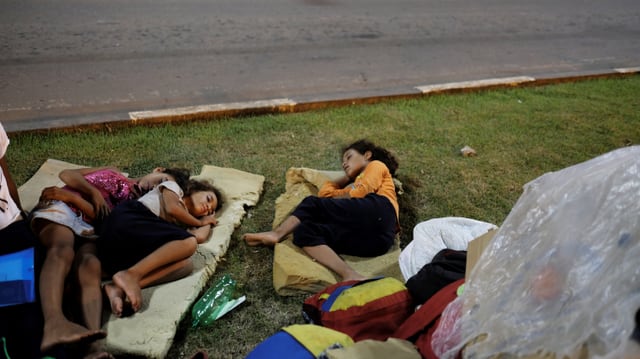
519 134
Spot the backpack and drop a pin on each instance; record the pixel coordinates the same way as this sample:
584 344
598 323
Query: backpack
419 327
300 341
447 266
368 309
376 349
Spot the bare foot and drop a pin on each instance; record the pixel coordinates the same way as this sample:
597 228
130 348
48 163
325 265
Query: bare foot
115 295
268 239
96 351
99 355
63 331
131 288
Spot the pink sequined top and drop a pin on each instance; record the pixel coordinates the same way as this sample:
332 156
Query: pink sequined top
114 187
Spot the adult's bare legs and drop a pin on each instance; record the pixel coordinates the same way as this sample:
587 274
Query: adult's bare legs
58 329
153 267
271 238
330 259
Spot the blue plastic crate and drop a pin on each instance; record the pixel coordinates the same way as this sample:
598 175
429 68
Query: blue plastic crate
17 278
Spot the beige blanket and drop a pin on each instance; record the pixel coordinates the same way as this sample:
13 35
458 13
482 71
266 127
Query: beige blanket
294 272
150 333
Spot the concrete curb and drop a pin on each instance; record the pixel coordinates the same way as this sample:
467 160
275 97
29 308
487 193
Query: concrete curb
286 105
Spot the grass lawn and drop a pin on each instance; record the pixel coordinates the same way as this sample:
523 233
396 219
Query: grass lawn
519 134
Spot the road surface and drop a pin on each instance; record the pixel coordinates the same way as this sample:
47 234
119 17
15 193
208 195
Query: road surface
84 61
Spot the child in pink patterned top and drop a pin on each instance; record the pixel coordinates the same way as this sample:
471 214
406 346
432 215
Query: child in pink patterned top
64 222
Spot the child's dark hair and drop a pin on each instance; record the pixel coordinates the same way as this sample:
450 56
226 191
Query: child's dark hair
194 186
181 175
377 153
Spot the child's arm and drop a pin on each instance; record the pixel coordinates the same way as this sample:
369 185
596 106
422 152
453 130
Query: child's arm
70 198
201 233
369 181
74 178
13 189
174 208
342 181
339 188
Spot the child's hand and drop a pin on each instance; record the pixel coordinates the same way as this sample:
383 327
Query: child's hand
53 193
210 219
70 198
100 206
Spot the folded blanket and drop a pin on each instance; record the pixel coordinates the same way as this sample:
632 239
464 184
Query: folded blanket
294 272
149 333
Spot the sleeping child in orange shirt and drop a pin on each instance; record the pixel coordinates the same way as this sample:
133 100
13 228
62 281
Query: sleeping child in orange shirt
355 215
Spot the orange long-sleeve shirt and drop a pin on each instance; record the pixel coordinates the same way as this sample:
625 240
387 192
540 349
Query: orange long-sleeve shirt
375 178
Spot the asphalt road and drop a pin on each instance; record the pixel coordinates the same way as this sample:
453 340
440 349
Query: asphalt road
90 61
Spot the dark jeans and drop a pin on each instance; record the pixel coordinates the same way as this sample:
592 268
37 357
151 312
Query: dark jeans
363 227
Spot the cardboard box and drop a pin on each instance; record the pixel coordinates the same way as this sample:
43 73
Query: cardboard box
475 249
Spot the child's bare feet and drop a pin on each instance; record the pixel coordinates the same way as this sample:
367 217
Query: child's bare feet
62 331
96 351
131 288
99 355
268 239
115 295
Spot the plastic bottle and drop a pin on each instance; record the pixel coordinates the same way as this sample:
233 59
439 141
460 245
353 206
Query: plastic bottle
207 308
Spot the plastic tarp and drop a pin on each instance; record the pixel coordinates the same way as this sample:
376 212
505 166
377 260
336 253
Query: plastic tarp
562 274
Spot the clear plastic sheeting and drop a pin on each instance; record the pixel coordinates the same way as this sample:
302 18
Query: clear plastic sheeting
562 274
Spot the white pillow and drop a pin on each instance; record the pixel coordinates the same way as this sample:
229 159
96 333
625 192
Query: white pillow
434 235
